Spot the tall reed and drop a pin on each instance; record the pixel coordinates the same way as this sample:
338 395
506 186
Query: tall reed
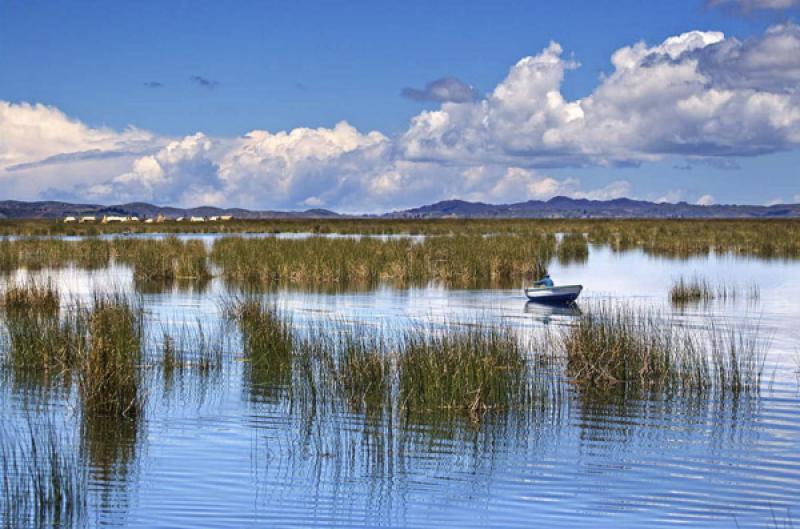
163 260
696 289
109 380
43 480
267 342
456 260
474 369
617 346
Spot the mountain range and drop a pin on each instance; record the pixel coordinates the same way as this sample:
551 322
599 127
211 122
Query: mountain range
557 207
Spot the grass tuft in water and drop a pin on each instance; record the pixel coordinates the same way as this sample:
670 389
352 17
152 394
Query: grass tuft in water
109 364
267 341
43 481
472 369
31 298
618 346
695 290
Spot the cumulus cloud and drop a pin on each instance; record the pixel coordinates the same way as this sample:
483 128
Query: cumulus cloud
42 148
698 97
446 89
179 173
693 94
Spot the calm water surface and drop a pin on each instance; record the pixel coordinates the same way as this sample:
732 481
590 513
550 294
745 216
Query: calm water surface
214 452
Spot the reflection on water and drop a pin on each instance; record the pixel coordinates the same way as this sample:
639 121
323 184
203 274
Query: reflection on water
236 444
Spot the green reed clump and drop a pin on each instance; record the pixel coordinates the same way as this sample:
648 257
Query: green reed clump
163 260
43 482
36 254
364 370
573 247
267 341
475 369
109 364
39 345
31 298
695 290
617 346
191 348
691 290
458 260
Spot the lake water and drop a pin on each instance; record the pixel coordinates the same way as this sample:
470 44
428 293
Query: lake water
212 452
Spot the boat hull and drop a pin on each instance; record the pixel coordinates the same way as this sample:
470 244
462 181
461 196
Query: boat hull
556 295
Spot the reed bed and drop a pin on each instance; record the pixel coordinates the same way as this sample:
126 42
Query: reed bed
766 238
615 346
38 344
163 260
31 297
573 248
473 369
43 481
267 343
191 348
457 260
101 344
108 366
695 290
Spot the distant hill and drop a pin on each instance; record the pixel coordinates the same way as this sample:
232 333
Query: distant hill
557 207
13 209
565 207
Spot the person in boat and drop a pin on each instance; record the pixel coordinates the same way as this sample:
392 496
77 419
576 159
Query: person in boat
544 282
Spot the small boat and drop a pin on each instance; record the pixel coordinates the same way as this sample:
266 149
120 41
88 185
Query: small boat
564 294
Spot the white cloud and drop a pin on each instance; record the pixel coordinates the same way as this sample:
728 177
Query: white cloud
179 173
698 96
671 197
751 5
33 134
694 94
706 200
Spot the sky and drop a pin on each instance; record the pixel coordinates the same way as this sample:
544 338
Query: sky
373 106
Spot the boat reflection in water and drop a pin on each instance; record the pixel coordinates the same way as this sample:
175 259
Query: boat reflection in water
544 312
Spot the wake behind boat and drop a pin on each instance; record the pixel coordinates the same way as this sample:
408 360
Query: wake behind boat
553 294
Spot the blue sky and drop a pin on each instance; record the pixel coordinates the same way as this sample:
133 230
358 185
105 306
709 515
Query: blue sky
173 70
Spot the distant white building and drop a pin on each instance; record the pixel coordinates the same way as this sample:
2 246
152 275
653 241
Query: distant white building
197 219
225 217
88 218
149 221
114 218
179 219
70 219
